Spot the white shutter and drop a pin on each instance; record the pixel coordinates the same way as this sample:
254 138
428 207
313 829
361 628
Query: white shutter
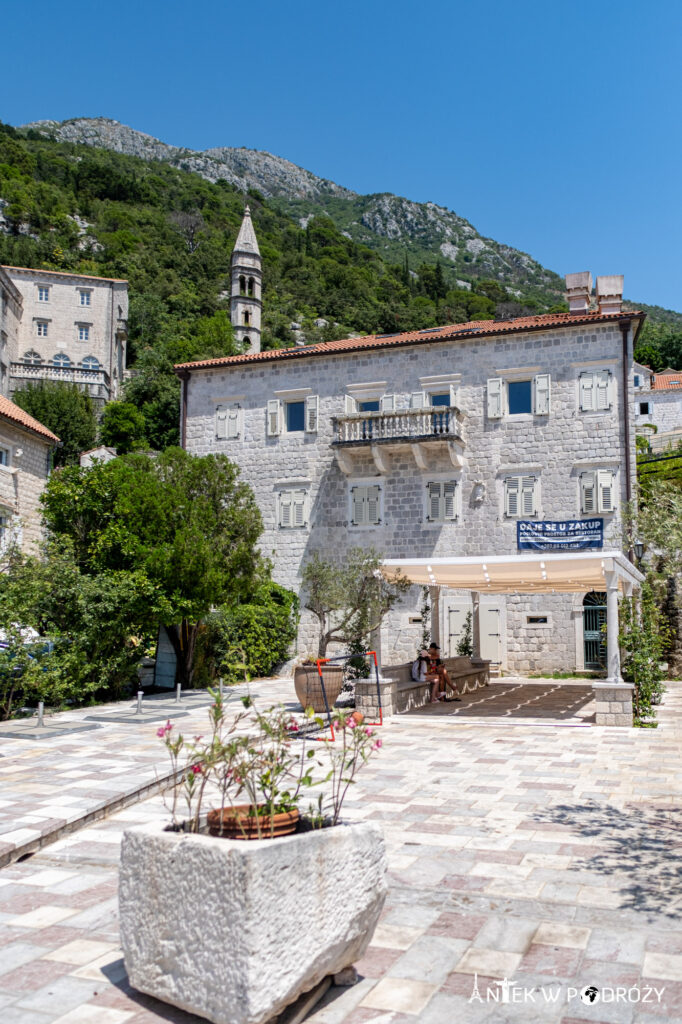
358 505
273 417
603 389
587 392
511 494
221 422
588 494
542 394
312 408
233 416
387 403
449 506
435 503
453 395
351 405
495 398
285 510
528 485
417 400
373 504
298 508
605 485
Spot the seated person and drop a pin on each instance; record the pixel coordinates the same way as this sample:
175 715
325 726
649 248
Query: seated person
437 674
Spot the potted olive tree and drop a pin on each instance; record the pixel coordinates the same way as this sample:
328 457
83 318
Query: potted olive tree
349 600
214 905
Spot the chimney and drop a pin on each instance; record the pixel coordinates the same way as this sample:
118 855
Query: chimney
578 291
610 293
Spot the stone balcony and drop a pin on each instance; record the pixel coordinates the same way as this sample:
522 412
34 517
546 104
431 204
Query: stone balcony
423 432
96 382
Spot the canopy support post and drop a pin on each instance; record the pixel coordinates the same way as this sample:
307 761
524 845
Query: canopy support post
612 648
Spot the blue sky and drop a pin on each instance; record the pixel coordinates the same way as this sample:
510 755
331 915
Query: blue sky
553 127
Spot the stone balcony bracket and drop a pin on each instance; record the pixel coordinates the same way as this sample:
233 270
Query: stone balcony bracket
422 432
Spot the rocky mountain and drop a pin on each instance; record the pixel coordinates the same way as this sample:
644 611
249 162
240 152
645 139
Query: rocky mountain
393 225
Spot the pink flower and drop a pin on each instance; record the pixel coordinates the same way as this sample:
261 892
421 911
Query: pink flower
196 769
161 733
369 732
197 738
351 723
293 725
377 745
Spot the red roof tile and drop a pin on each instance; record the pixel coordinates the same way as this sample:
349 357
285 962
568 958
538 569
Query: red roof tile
10 411
666 381
472 329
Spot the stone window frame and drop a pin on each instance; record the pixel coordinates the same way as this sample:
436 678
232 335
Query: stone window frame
538 625
522 488
87 294
46 288
594 367
42 328
83 332
599 483
644 412
6 456
498 388
276 415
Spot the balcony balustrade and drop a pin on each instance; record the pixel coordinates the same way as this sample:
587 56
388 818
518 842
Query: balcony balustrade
433 429
96 381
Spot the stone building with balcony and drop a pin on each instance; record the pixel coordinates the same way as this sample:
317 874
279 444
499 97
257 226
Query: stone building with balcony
68 327
439 443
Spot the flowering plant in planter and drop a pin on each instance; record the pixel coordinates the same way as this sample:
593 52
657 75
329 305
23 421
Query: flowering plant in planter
257 766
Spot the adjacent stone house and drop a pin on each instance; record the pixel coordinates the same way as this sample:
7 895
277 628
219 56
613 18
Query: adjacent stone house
434 443
69 327
658 406
26 448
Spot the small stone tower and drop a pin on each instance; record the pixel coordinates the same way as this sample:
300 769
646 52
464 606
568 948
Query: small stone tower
246 285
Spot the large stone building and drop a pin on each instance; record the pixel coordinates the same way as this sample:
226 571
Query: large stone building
440 442
658 406
26 448
68 327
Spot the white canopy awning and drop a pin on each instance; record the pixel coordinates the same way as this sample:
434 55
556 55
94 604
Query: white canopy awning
520 574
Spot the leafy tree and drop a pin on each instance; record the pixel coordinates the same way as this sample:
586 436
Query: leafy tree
122 426
188 524
350 599
155 391
66 411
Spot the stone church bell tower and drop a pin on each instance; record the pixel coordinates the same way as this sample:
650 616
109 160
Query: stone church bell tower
246 285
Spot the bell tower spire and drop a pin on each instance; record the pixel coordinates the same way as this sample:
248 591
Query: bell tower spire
246 285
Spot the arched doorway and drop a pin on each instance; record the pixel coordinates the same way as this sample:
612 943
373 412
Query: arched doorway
594 617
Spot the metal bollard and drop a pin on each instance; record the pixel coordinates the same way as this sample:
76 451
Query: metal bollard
41 709
178 688
220 683
140 695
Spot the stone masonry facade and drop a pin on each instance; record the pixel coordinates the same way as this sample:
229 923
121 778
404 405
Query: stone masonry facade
23 474
71 327
304 469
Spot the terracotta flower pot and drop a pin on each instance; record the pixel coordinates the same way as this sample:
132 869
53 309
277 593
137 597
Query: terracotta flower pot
236 823
309 690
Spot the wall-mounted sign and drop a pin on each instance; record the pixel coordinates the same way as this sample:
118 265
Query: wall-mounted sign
566 535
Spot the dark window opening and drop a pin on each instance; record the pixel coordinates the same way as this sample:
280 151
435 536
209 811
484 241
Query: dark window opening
295 416
242 285
251 283
643 408
519 396
537 620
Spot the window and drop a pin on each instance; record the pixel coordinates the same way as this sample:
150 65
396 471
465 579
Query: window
4 531
90 363
83 332
596 389
519 397
41 328
228 422
247 317
4 456
43 293
644 409
441 504
537 620
242 285
61 359
636 380
84 296
294 416
520 496
597 491
292 509
250 286
32 357
365 505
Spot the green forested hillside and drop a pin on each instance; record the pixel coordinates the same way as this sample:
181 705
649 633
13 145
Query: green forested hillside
170 232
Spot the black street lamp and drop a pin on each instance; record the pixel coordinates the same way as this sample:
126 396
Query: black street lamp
639 550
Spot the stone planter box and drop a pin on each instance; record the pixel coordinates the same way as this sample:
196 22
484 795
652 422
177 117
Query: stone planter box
234 931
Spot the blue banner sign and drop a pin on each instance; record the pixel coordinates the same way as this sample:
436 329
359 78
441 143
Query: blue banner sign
566 535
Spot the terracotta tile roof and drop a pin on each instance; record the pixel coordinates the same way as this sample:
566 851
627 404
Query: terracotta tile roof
10 411
474 328
62 273
666 381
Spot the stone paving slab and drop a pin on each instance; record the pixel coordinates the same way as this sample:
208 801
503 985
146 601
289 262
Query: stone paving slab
547 856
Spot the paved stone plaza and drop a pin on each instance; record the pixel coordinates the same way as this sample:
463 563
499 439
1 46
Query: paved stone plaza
523 843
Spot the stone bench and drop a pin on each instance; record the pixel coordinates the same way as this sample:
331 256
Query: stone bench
399 691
